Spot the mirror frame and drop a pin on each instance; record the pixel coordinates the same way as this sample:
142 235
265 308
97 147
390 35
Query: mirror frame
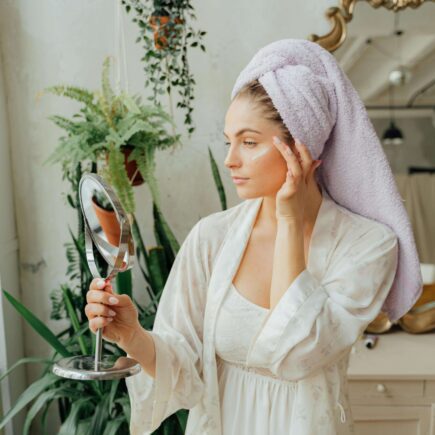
343 14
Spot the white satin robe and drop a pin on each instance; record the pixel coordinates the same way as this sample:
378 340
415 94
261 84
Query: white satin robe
307 337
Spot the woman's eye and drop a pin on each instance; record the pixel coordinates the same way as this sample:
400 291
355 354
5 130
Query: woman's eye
246 142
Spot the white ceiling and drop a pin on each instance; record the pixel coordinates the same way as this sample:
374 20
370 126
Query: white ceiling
368 65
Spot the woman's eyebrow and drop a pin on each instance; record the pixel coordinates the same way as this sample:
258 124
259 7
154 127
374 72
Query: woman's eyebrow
243 130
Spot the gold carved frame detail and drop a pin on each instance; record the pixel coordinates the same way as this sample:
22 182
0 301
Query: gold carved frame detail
340 16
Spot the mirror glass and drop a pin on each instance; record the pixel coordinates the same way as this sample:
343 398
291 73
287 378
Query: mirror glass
105 221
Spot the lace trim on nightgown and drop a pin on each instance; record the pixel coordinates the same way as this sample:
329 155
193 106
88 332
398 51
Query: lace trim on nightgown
247 300
250 309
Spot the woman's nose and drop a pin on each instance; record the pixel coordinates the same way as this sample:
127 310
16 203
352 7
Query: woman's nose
232 158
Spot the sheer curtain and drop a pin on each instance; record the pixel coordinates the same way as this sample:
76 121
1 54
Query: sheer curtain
418 191
11 332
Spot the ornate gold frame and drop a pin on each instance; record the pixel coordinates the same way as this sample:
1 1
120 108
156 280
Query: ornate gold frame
340 16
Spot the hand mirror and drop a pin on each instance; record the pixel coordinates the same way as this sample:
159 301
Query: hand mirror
107 229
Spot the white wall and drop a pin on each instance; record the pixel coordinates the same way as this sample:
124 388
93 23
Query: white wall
49 42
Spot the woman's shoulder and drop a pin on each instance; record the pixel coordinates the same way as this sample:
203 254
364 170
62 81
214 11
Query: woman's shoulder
216 224
353 226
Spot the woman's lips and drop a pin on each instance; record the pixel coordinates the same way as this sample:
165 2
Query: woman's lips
238 180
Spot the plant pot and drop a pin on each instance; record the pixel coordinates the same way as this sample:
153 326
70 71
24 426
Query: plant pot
109 223
130 166
159 24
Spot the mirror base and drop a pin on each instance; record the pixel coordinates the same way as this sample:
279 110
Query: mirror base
84 367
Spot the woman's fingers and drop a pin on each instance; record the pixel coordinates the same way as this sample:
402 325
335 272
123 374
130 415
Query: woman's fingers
306 158
99 322
97 284
291 159
93 310
104 298
101 284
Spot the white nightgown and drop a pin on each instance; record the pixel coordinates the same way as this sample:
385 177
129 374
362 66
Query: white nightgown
253 401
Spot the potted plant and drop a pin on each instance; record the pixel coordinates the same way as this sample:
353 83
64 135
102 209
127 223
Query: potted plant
166 37
107 217
118 133
162 24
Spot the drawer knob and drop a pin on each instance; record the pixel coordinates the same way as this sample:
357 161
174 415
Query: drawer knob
380 388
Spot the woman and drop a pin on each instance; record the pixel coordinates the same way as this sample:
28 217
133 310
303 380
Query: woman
264 300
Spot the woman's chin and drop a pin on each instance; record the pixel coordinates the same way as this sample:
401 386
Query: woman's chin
248 194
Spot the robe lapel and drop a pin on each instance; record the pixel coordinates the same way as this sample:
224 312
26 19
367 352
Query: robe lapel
225 268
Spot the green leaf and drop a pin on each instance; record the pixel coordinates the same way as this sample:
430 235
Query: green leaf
105 82
64 123
80 250
38 325
67 296
164 234
28 395
218 180
73 92
124 283
129 102
182 415
43 398
113 389
112 426
70 425
158 269
100 417
124 401
25 361
83 427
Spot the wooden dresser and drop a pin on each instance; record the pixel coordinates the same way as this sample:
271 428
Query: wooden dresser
392 386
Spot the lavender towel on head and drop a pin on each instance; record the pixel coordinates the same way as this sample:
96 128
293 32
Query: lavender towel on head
321 108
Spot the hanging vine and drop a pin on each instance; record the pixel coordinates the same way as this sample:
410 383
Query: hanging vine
166 37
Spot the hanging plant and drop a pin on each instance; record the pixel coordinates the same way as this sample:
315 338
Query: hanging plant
166 36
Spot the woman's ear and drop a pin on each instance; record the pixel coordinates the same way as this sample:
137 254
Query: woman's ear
314 166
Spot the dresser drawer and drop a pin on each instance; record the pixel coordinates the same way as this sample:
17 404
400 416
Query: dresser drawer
385 392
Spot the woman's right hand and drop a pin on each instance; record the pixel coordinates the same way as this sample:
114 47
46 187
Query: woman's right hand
115 313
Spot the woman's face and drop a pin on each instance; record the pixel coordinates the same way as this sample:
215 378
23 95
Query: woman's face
252 154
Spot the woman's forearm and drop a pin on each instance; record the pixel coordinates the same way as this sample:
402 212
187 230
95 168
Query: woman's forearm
141 348
289 257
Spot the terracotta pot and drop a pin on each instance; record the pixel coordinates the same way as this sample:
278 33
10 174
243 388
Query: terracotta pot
159 22
131 167
109 223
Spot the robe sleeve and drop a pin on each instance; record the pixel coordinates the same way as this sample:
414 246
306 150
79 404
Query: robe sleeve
316 321
177 335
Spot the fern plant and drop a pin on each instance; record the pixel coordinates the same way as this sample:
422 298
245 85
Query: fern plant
106 123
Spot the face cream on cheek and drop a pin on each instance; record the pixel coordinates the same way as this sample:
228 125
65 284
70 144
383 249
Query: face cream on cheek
261 153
